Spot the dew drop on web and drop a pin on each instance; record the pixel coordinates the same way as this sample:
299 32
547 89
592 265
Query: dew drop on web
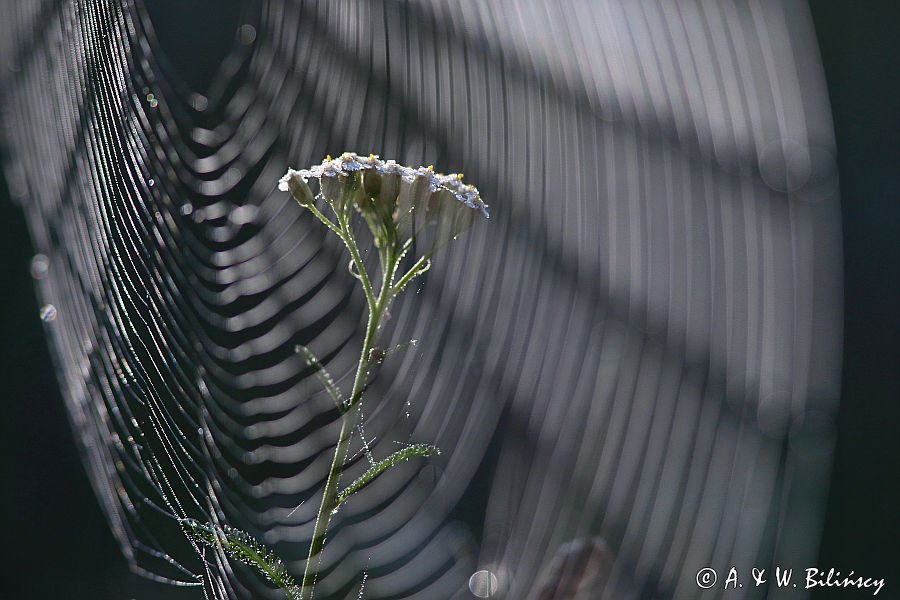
48 313
246 34
483 584
40 266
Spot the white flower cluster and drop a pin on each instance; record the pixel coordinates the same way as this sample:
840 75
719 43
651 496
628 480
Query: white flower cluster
349 162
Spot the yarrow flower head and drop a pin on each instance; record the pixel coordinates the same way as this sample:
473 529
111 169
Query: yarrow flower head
398 203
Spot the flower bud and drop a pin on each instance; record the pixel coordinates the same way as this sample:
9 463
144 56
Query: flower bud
294 183
339 190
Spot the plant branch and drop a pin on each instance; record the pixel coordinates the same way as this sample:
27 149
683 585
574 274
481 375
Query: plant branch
363 276
312 208
421 265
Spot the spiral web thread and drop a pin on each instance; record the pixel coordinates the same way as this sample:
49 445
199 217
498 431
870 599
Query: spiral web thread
641 346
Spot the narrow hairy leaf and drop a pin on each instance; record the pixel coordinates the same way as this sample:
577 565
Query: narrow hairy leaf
383 465
241 546
322 373
400 347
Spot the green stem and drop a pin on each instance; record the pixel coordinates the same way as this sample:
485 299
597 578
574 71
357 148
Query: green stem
324 516
377 306
350 242
312 208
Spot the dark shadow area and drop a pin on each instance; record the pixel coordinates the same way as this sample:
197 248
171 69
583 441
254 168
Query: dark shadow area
196 36
859 52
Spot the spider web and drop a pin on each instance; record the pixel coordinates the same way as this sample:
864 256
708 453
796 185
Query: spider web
633 365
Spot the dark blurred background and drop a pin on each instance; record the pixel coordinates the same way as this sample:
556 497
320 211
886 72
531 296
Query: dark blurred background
53 521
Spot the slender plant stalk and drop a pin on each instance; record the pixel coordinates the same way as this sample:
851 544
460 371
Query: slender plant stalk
377 307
